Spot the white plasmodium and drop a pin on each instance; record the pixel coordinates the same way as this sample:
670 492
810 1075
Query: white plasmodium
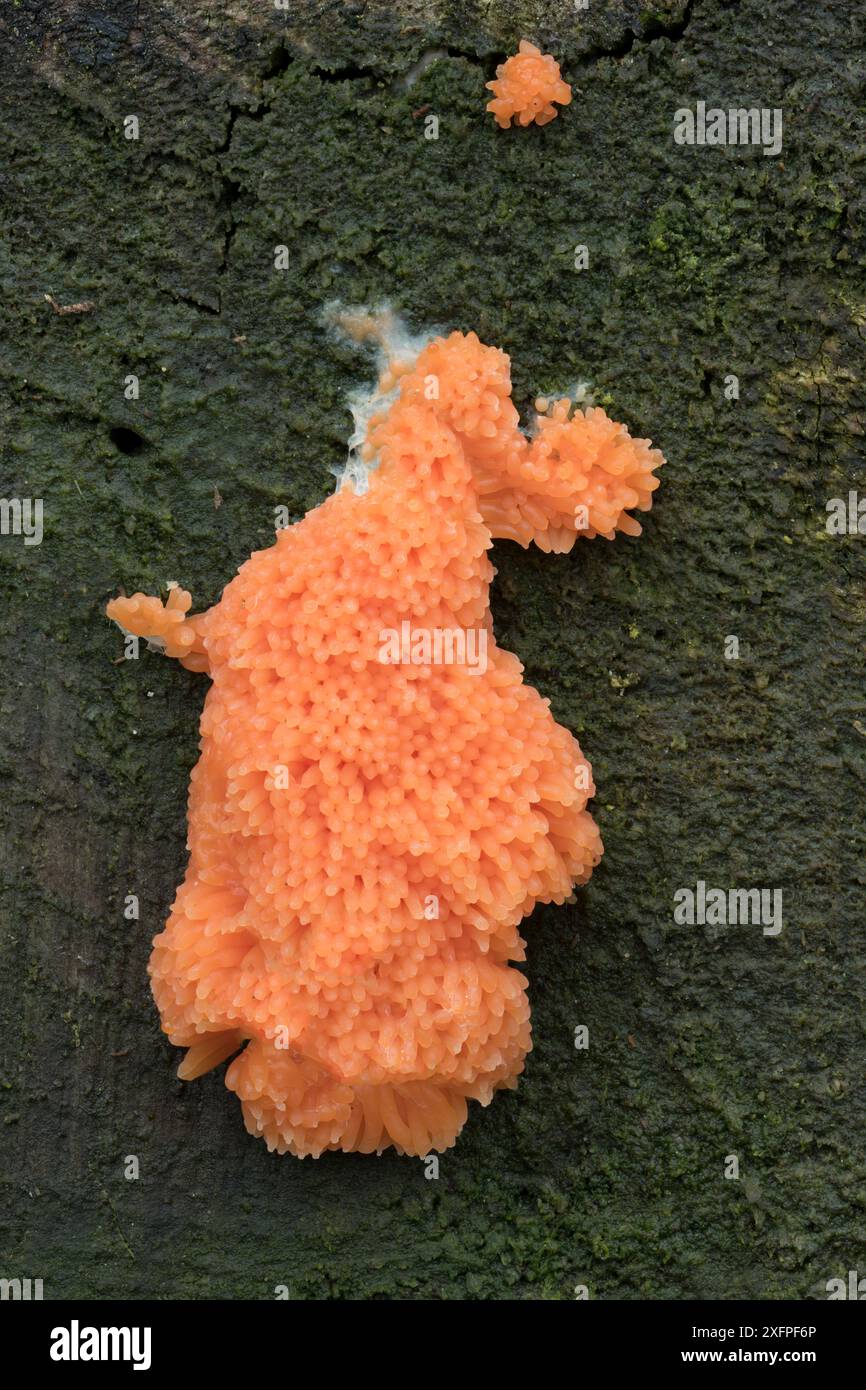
395 346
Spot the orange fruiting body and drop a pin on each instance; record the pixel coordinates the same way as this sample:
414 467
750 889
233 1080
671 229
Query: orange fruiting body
366 834
526 86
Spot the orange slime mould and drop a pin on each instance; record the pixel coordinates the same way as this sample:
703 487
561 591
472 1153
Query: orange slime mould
380 799
526 86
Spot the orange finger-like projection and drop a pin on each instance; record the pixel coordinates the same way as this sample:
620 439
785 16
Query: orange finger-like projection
380 799
526 87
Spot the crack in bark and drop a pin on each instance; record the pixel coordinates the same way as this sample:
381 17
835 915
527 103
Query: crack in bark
230 191
177 297
654 29
279 60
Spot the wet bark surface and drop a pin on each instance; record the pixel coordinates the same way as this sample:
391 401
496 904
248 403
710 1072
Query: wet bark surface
606 1168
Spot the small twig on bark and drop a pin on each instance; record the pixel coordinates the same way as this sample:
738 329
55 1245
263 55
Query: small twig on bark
84 307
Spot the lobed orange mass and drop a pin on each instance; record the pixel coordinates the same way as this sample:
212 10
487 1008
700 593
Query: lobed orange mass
376 808
526 87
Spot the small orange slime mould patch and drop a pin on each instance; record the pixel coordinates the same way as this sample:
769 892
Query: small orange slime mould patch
526 86
372 815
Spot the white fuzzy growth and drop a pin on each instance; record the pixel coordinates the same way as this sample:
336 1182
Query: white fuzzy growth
355 472
394 342
427 59
580 394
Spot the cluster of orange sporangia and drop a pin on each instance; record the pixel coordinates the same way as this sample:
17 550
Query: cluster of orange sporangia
365 837
526 87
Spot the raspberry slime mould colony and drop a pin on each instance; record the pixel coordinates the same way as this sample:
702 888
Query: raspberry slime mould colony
366 835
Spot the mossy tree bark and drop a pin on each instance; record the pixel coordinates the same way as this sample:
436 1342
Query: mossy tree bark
257 129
